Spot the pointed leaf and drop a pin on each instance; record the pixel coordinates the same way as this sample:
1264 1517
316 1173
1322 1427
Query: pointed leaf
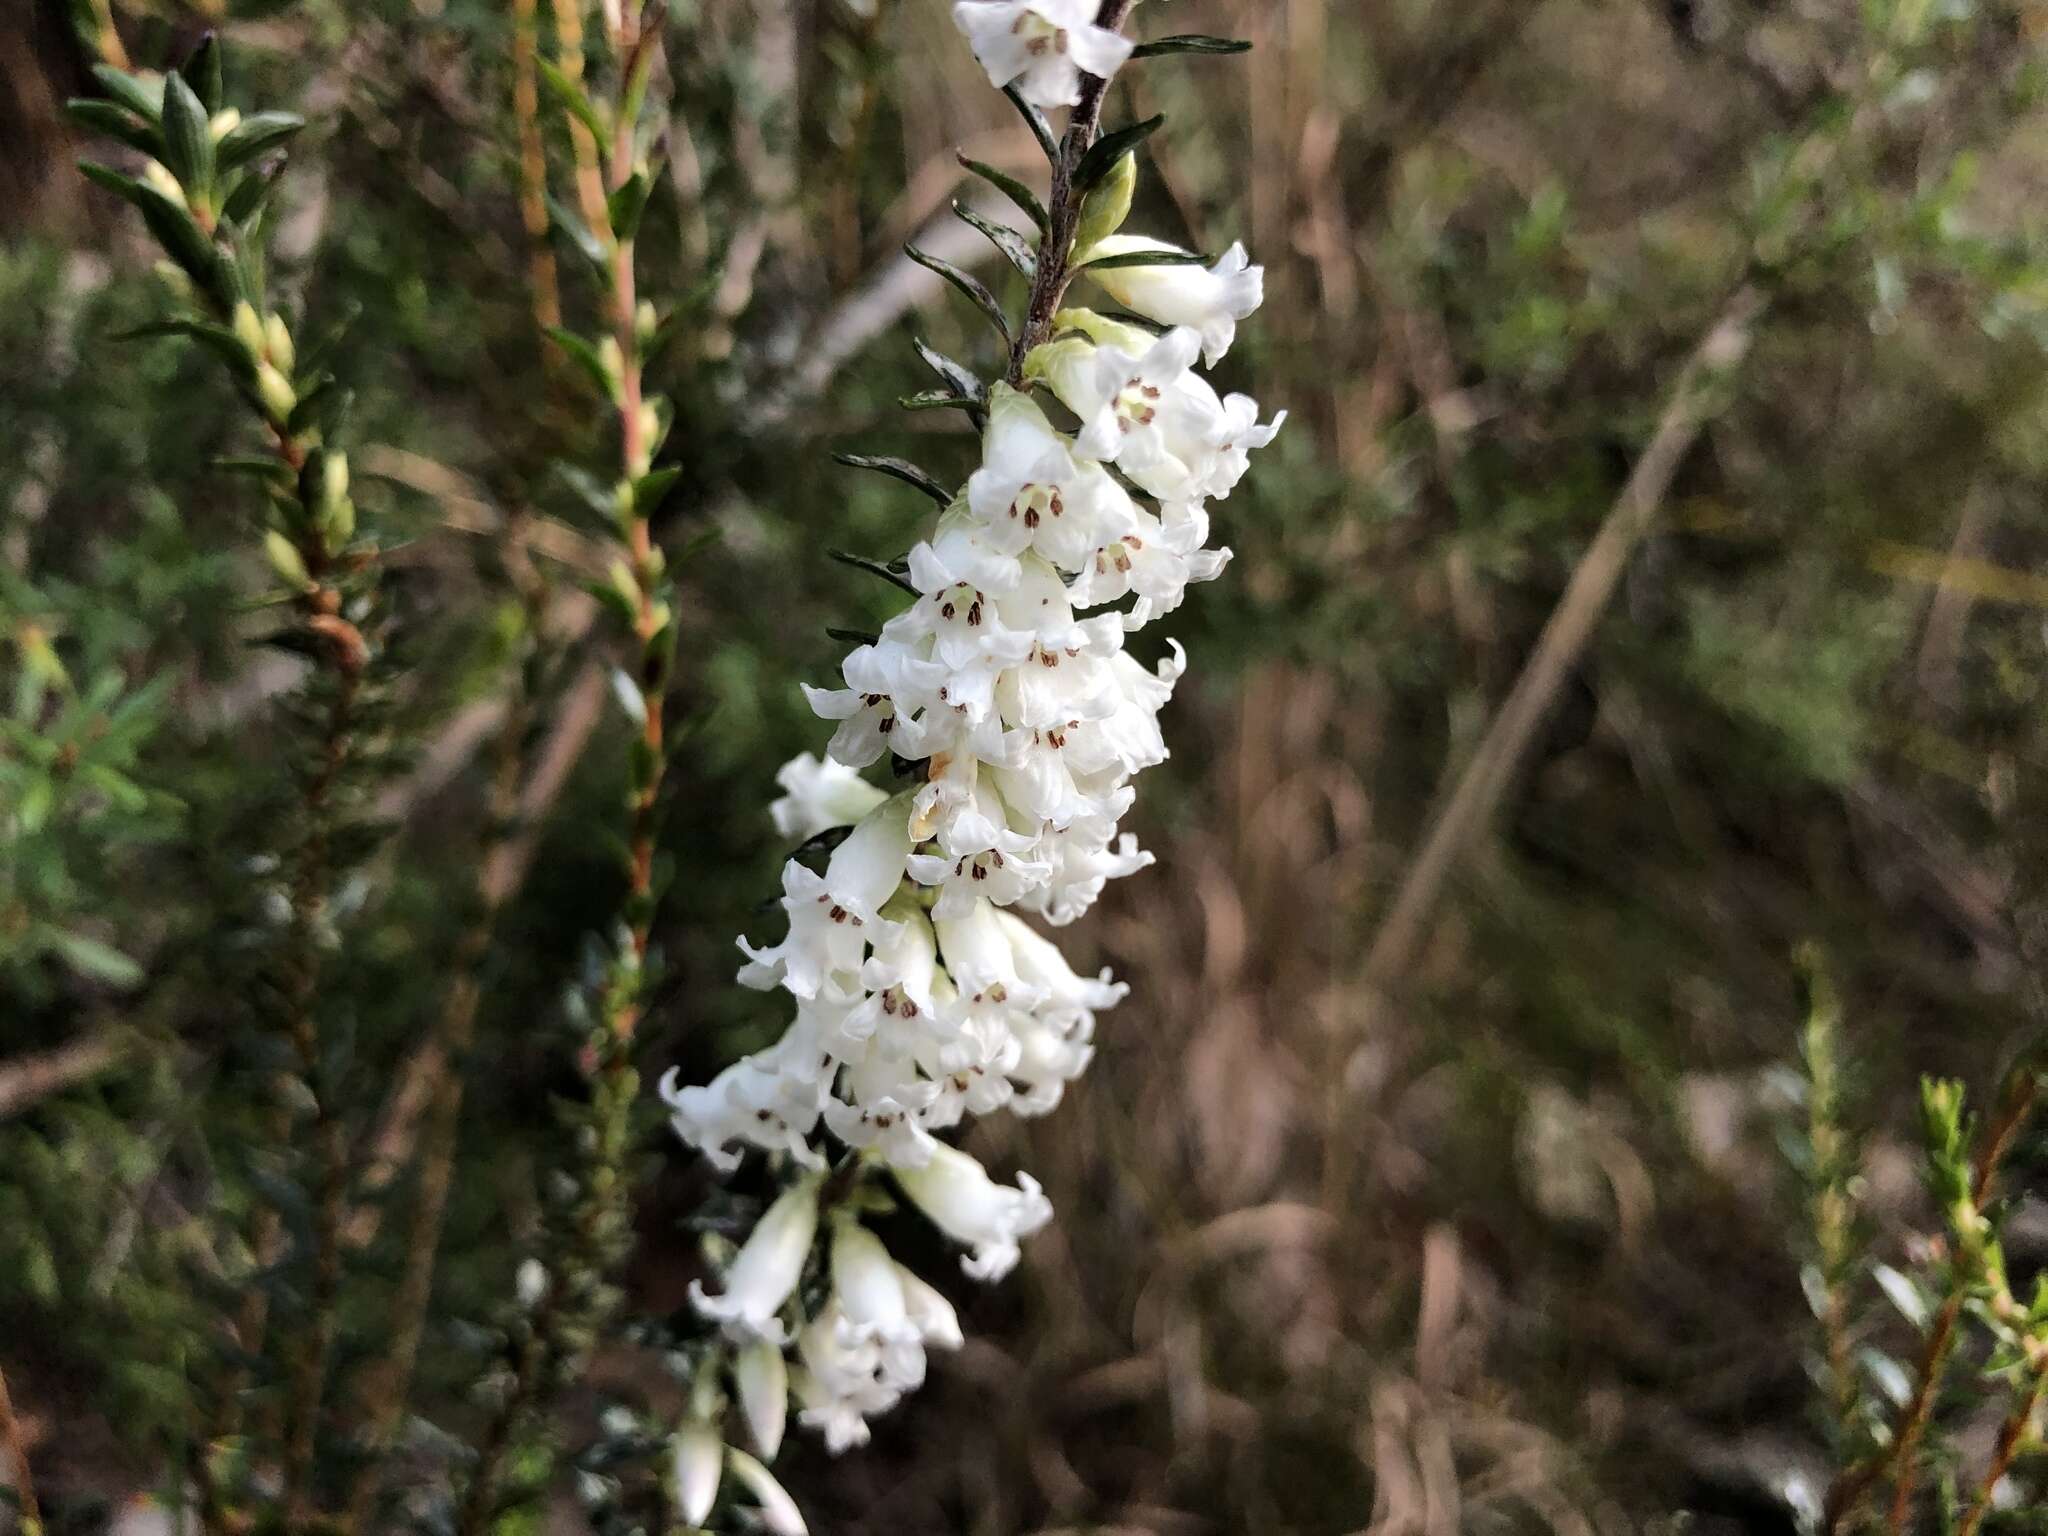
116 122
188 141
1007 240
900 469
968 284
579 234
938 400
850 637
874 568
1189 42
1026 200
1104 153
253 135
571 96
217 339
1034 119
624 207
204 71
586 357
137 96
246 201
651 488
1145 259
961 380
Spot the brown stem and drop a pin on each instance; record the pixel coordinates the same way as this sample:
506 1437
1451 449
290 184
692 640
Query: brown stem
16 1445
2010 1435
24 1080
2022 1087
1063 208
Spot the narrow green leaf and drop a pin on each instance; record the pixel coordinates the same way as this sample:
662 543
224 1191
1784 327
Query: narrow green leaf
205 72
653 487
342 318
874 568
139 97
580 235
572 97
1026 200
1005 239
1144 259
968 284
116 122
957 377
901 469
1104 153
586 357
1034 119
217 339
245 200
852 636
253 135
1189 42
274 471
625 206
938 400
188 142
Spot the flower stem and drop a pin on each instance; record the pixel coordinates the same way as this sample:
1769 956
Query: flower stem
1063 207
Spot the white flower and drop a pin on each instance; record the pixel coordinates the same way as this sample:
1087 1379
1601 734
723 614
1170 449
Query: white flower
1158 560
937 1323
1211 299
820 795
968 1206
1042 45
980 857
765 1271
885 684
768 1100
834 916
841 1384
776 1509
871 1304
762 1376
699 1459
1032 492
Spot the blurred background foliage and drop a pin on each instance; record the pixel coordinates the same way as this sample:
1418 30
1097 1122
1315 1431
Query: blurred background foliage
1498 1239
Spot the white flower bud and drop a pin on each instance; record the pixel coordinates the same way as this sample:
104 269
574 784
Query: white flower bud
778 1510
275 392
762 1376
277 341
765 1272
699 1463
223 123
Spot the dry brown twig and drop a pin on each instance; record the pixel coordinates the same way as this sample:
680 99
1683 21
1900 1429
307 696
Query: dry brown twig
1469 807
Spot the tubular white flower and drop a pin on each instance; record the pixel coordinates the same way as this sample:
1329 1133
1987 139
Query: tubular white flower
1041 45
697 1463
776 1509
968 1206
761 1373
765 1272
820 795
1211 299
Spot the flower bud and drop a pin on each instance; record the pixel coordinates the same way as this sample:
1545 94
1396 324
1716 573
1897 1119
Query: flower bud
223 123
699 1462
614 362
277 340
1105 208
762 1376
645 322
159 179
276 393
778 1511
285 559
248 329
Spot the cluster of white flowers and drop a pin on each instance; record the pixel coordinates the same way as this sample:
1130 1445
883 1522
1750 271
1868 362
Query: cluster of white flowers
1005 696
